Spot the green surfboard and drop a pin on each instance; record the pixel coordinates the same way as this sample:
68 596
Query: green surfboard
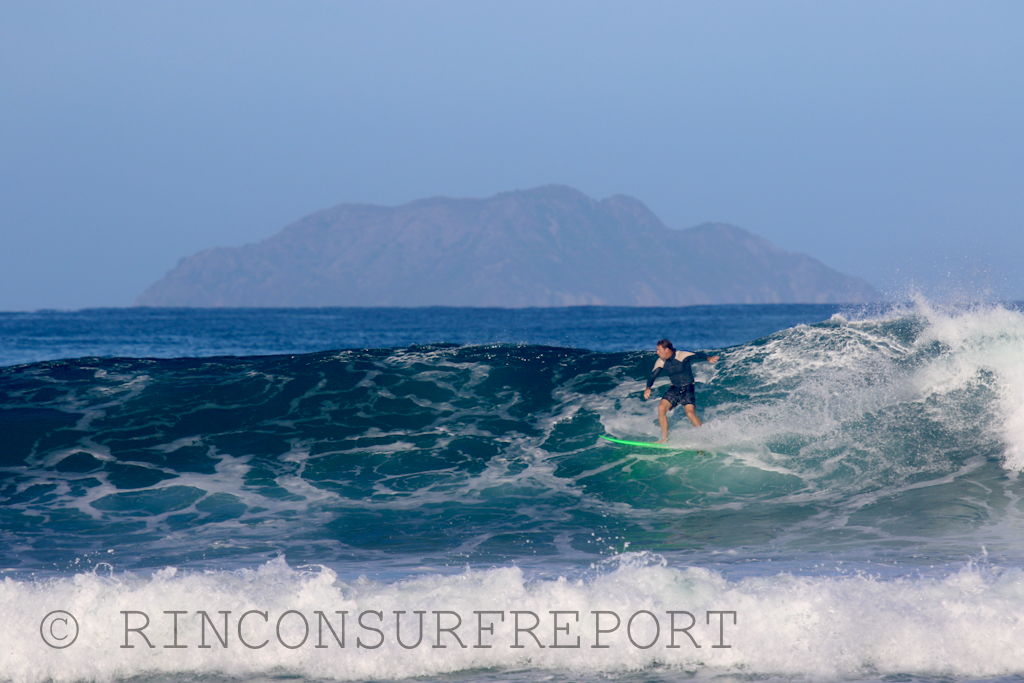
648 444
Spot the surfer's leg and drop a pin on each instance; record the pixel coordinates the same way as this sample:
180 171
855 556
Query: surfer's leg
689 400
663 409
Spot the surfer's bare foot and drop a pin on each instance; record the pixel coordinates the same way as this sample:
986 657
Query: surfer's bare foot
662 440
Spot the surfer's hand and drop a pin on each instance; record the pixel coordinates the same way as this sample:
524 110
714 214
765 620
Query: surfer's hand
647 394
712 359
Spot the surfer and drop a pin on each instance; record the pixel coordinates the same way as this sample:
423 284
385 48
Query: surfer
677 365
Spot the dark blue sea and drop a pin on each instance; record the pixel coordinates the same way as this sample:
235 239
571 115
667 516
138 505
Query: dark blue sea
423 494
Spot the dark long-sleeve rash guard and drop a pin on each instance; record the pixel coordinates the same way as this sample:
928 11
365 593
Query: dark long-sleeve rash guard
678 368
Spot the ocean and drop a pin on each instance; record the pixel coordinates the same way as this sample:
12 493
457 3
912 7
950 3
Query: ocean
422 494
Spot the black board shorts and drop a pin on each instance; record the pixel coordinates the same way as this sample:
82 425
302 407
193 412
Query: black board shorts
676 395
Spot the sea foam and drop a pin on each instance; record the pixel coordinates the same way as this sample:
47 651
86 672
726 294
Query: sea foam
966 624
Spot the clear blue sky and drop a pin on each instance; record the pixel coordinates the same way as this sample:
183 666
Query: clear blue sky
884 138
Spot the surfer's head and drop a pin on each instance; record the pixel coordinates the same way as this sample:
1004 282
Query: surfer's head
665 349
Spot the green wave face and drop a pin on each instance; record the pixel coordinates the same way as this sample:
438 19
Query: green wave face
888 436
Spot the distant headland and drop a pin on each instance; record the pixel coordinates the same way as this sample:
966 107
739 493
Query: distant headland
547 246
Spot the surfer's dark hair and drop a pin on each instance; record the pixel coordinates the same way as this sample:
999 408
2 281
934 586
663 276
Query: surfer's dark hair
666 344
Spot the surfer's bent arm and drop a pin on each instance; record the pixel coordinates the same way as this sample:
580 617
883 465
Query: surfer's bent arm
654 374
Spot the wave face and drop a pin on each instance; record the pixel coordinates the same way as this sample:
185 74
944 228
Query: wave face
844 463
895 432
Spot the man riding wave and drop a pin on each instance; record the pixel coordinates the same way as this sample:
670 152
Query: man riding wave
677 365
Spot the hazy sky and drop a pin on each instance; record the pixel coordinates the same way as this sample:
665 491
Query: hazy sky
884 138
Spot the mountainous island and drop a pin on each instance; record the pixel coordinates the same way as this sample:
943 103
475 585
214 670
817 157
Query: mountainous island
547 246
